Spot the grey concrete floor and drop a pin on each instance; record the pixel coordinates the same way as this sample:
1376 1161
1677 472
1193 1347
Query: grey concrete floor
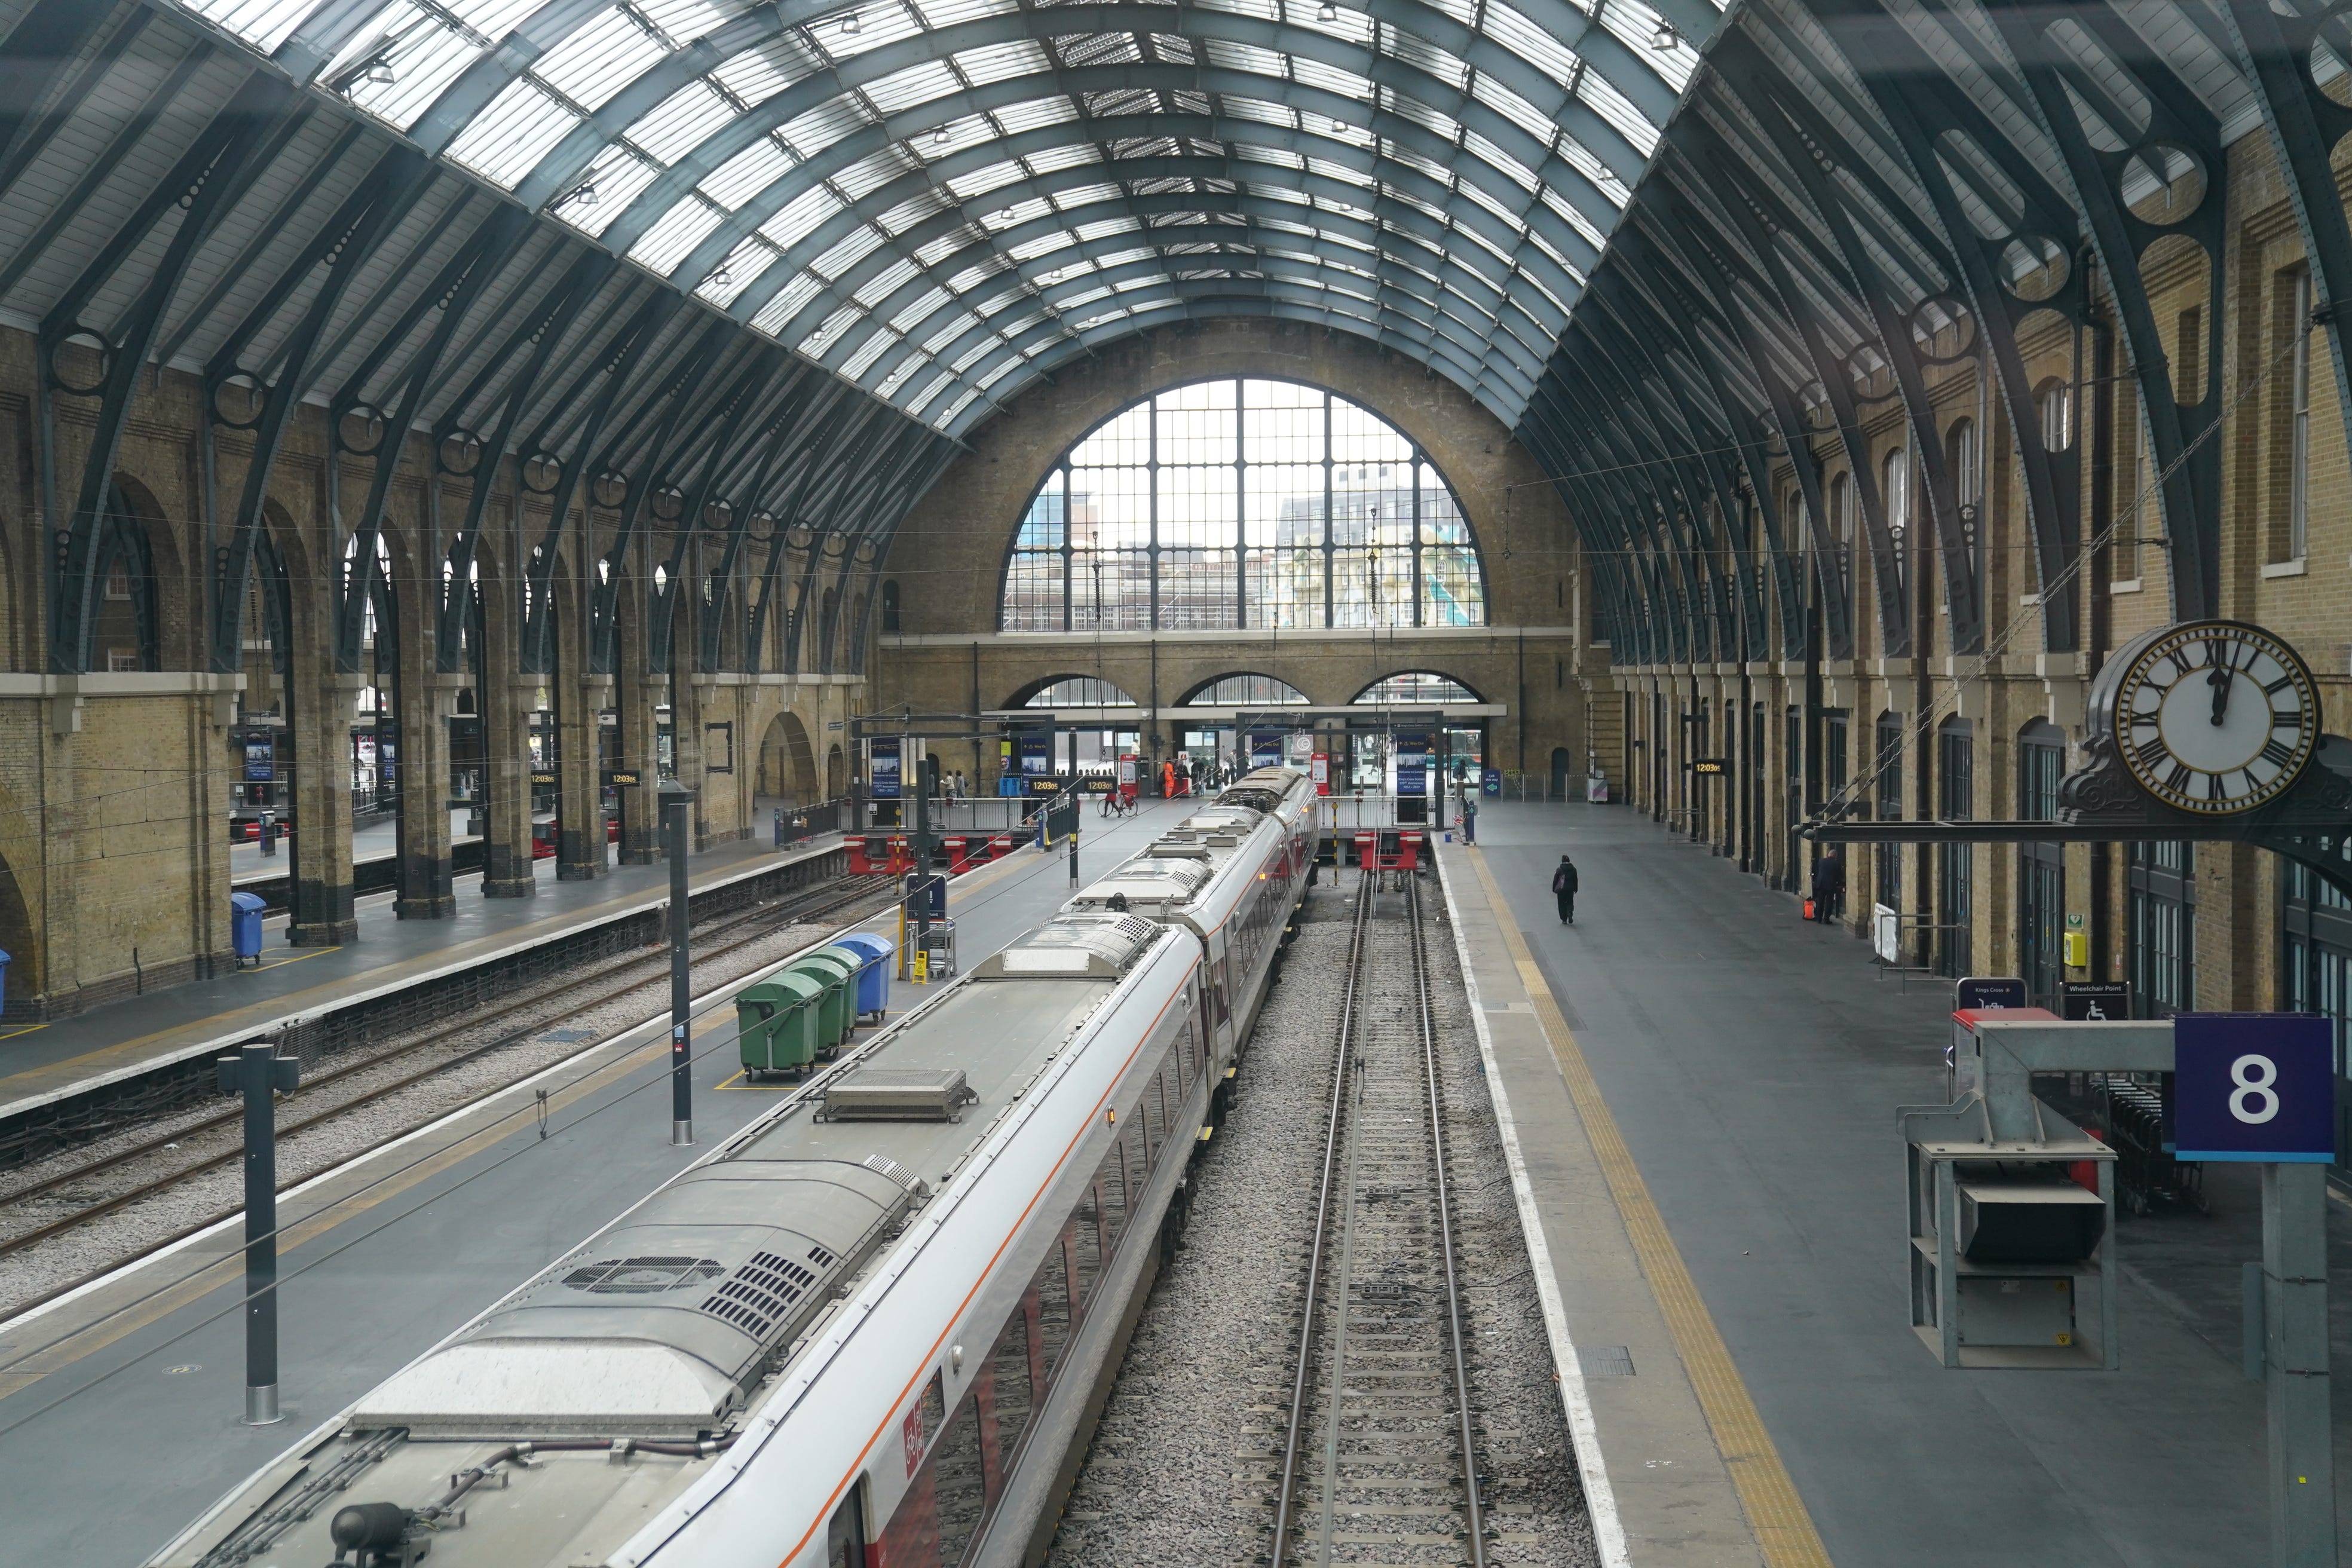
103 1460
1754 1063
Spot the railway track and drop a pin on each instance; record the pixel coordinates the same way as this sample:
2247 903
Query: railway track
1378 1454
141 1169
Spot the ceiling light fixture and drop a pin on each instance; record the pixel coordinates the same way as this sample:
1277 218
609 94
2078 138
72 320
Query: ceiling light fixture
583 195
379 71
1665 38
1329 11
940 137
850 23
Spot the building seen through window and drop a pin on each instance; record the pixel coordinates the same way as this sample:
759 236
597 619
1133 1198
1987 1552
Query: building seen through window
1243 503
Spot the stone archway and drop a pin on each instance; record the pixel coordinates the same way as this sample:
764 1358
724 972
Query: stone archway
787 767
836 774
29 967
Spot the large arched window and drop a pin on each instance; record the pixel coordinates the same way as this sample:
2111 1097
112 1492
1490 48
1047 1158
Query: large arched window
1079 691
1415 688
1243 503
1243 690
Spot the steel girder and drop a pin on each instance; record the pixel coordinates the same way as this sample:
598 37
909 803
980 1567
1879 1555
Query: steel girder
2191 474
199 187
2275 50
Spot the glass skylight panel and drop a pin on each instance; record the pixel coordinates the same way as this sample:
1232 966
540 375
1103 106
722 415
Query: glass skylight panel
598 59
830 122
1513 107
1575 219
1577 156
980 181
917 83
614 179
1618 109
948 415
830 330
1171 49
1077 155
978 352
1083 298
1031 113
846 252
1267 10
264 24
913 315
867 353
877 25
1097 49
789 301
954 326
506 141
737 272
1251 152
1243 57
916 209
747 173
947 245
1420 114
429 56
1074 196
1636 25
876 170
1015 214
930 389
940 14
680 122
675 234
887 282
1422 55
757 75
1002 62
1539 46
801 217
1102 229
1265 112
1044 245
1479 147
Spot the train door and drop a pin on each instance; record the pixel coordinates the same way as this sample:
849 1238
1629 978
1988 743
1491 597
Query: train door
845 1538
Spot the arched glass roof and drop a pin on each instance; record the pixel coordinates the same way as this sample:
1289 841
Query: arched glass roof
939 200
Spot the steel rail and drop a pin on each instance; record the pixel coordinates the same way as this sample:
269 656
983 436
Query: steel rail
771 919
1340 1057
1476 1507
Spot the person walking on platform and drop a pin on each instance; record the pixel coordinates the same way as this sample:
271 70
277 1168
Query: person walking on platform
1829 886
1563 888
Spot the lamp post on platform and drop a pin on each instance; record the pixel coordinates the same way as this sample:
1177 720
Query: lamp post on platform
678 811
259 1073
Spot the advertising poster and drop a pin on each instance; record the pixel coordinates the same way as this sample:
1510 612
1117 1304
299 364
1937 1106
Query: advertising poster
882 769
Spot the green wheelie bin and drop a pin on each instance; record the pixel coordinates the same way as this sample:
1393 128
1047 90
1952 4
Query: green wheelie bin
837 1013
776 1024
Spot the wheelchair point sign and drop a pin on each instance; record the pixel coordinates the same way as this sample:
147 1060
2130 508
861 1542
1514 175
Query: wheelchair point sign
2256 1087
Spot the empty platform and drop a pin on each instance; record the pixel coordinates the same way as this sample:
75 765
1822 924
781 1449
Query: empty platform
1704 1089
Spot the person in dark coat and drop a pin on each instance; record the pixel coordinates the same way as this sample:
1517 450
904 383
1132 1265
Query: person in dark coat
1829 886
1563 888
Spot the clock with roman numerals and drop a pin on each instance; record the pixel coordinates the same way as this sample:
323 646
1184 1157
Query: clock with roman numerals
2215 717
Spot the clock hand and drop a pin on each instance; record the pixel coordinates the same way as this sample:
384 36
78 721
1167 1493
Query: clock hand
2221 678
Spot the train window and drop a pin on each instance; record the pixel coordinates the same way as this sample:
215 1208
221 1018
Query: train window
1217 990
1053 1292
845 1538
958 1482
1133 1147
1010 1386
935 1405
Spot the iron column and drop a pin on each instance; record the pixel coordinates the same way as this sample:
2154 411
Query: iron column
677 810
257 1072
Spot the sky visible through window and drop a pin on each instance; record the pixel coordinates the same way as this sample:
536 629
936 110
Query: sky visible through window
1243 503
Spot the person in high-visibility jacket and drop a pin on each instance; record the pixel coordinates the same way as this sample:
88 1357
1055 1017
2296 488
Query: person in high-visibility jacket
1168 780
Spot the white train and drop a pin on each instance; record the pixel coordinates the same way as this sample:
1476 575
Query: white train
870 1330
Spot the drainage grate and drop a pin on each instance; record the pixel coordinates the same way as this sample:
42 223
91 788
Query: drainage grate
1605 1361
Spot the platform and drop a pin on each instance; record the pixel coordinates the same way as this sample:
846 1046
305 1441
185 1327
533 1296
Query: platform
42 1063
370 842
1703 1090
383 1257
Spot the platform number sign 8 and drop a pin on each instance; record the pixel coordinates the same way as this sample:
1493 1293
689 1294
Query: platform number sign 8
2254 1087
2255 1099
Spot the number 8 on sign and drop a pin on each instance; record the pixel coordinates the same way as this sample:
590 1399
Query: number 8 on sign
2253 1101
2253 1086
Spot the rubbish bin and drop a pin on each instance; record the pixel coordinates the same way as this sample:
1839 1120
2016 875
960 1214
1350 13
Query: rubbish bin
835 974
245 928
775 1023
874 980
939 950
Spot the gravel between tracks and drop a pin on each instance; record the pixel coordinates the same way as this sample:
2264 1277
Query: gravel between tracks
177 1204
1182 1468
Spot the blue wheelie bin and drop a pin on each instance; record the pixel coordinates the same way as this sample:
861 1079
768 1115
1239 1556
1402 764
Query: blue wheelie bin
873 979
245 928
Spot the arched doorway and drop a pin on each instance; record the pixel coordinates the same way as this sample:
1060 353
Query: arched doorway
1559 767
836 774
787 768
26 969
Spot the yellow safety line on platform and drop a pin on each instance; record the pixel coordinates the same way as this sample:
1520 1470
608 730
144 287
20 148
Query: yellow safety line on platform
1784 1528
282 962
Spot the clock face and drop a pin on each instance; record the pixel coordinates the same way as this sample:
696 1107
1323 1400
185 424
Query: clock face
2216 717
